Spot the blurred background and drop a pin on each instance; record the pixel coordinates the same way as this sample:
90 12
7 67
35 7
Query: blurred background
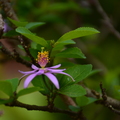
101 50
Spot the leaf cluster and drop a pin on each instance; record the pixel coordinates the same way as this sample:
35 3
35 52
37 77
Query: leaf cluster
57 50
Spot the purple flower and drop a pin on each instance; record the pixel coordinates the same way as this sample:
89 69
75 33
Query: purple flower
6 27
47 71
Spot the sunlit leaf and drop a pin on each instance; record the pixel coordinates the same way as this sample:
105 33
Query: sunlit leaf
28 91
79 32
14 82
6 87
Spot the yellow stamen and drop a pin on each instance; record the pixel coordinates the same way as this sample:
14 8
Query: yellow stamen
42 58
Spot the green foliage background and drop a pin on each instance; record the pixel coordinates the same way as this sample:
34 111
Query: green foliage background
101 50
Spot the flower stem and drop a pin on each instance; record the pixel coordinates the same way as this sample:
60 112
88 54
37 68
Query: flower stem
46 83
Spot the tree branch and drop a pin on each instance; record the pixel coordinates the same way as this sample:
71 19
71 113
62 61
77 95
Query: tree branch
69 101
1 25
26 48
5 4
40 108
105 100
107 20
15 55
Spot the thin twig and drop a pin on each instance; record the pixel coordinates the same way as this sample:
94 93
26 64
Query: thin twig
94 94
106 103
26 48
104 96
6 5
105 100
1 26
107 20
19 59
14 55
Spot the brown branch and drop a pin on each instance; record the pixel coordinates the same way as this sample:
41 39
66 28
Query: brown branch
26 48
107 21
14 55
19 59
105 100
74 115
92 93
69 101
104 96
107 103
1 26
40 108
5 4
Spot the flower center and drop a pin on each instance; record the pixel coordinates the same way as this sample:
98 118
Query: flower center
42 58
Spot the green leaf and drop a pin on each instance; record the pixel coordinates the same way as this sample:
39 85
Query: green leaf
57 48
11 33
14 82
24 31
73 90
5 101
78 72
27 58
67 64
63 43
6 87
18 23
34 52
21 47
74 108
67 42
71 53
38 82
28 91
95 71
79 32
34 25
83 100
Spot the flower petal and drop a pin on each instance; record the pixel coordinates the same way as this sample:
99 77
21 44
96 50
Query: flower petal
56 66
55 70
53 79
23 76
27 72
30 78
34 67
67 75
